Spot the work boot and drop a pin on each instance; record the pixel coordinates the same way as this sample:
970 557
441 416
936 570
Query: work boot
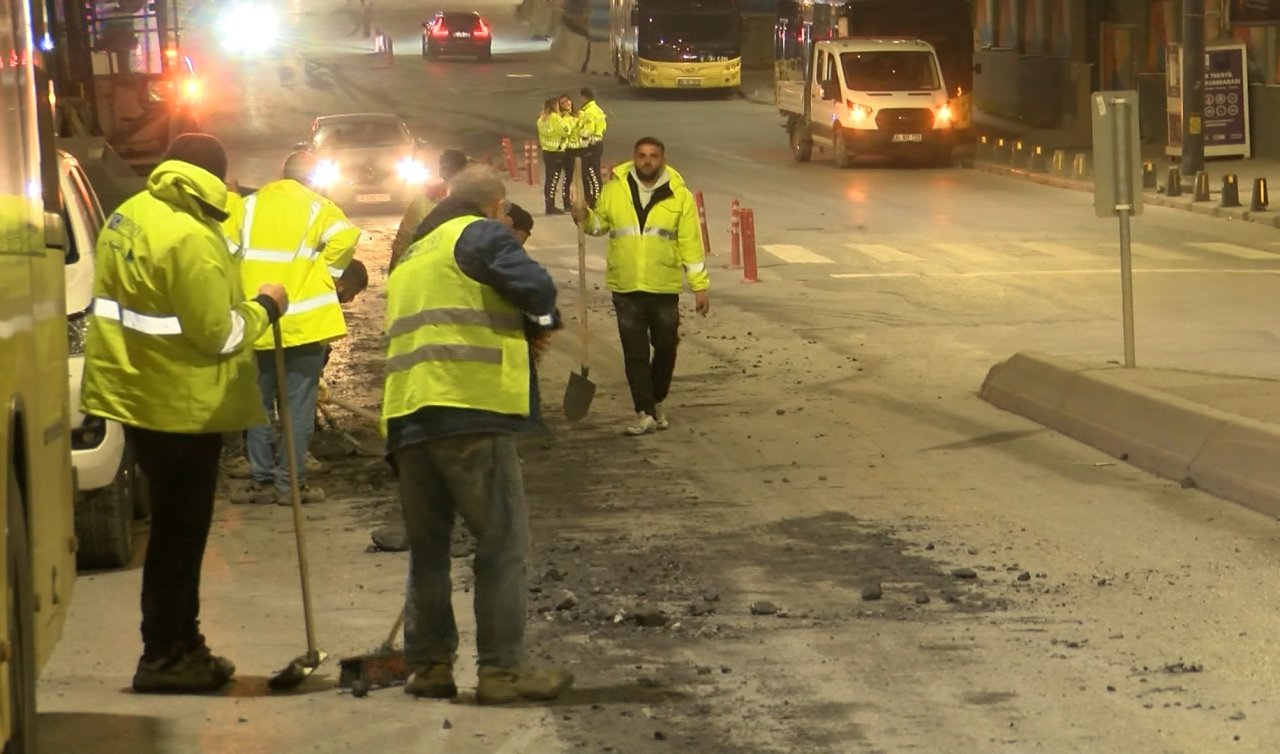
195 671
254 493
506 685
644 424
237 468
435 682
553 210
313 466
660 417
307 493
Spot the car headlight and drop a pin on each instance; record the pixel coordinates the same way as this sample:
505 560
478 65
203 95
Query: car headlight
77 332
326 174
942 117
859 113
249 29
411 171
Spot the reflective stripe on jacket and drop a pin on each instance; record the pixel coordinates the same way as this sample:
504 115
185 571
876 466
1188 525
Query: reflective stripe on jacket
591 123
170 335
291 235
452 341
656 255
553 132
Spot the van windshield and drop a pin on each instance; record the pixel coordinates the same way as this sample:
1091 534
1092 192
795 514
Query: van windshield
890 71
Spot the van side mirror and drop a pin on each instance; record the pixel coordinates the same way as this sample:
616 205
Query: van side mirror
831 90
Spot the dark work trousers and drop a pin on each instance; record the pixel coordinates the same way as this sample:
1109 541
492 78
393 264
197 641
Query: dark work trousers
556 180
648 325
571 157
591 171
182 473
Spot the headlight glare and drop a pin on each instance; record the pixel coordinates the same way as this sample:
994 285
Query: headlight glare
326 174
411 171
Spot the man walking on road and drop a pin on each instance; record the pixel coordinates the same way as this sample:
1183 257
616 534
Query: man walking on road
289 232
168 355
460 386
591 126
652 222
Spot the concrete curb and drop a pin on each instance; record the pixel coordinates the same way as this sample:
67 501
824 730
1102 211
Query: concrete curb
1227 455
1270 219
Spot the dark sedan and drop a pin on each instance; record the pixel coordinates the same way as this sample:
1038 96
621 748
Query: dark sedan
456 33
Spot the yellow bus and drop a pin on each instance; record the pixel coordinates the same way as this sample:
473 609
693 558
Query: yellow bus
676 44
36 483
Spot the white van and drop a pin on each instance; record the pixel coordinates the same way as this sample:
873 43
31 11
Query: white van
110 492
869 96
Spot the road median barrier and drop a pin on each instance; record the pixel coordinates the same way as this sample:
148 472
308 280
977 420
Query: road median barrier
1230 196
1225 454
1173 182
1200 193
750 273
1080 169
1261 199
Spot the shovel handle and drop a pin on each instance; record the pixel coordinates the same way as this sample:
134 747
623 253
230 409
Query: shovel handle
577 196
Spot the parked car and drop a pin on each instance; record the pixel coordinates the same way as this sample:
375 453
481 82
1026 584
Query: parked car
457 33
110 490
365 159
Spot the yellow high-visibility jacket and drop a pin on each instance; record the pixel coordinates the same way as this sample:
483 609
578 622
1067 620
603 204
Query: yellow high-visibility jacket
656 254
553 132
591 124
292 235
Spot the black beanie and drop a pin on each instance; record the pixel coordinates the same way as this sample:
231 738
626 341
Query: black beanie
202 150
520 218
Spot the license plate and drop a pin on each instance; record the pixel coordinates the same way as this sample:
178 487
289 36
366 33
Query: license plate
462 34
373 197
907 137
688 82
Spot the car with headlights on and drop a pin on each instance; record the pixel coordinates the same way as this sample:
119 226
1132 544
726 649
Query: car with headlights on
366 160
463 33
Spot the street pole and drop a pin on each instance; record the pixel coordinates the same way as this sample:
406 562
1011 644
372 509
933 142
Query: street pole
1192 87
1124 208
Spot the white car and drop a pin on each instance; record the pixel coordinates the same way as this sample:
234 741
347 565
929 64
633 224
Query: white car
366 160
110 491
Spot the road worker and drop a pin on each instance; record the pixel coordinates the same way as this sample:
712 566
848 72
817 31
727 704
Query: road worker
573 151
451 161
655 242
288 232
460 385
169 356
553 138
591 127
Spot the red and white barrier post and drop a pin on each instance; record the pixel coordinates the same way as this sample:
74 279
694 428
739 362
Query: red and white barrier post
702 223
509 155
749 272
735 234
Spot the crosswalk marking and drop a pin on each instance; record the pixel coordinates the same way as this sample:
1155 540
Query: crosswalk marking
1234 250
970 251
882 253
795 254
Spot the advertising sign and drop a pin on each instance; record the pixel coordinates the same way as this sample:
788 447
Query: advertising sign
1254 12
1226 101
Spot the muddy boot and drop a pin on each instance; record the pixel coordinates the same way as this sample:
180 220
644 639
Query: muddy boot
308 494
643 425
313 466
254 493
506 685
660 417
436 682
237 468
192 672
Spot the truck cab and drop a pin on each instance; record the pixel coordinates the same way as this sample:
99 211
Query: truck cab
869 96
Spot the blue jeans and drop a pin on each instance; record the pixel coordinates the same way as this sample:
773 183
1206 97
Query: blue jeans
479 476
267 459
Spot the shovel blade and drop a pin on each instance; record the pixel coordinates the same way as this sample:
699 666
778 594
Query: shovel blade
577 396
297 671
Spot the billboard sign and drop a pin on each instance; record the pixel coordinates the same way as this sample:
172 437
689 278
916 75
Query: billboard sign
1226 101
1254 12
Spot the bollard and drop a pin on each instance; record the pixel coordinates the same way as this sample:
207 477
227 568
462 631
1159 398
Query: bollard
735 234
1260 199
531 162
1173 183
983 148
1148 175
1060 162
749 272
1018 158
1230 191
702 223
1038 162
510 157
1001 150
1200 193
1080 166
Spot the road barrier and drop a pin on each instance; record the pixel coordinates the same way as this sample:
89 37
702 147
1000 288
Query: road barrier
1080 166
702 223
749 271
1173 183
1260 199
1230 191
1060 163
1200 193
735 234
510 157
531 162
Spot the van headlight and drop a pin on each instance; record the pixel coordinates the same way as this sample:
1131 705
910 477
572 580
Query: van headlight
942 117
326 174
412 171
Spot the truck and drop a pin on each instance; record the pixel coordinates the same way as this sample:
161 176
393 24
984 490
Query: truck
677 44
874 77
37 564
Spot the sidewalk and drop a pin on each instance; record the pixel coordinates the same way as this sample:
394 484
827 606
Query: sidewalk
1218 432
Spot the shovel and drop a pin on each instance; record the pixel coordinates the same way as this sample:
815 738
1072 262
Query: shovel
303 665
580 390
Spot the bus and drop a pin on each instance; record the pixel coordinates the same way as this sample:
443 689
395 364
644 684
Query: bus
677 44
947 25
36 487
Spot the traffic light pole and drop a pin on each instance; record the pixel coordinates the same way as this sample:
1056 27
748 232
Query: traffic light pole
1192 87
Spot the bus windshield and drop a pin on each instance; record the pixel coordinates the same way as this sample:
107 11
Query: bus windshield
890 71
676 37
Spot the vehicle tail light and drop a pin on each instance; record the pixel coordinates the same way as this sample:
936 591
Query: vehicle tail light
439 30
482 30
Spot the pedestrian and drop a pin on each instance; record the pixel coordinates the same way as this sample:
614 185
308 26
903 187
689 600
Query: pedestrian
591 125
460 386
451 161
652 222
289 232
573 144
169 356
553 138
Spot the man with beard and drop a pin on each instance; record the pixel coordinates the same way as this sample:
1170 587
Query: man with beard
654 244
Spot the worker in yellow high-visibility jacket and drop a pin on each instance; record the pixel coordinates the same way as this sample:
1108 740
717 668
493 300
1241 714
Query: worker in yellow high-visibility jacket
288 232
